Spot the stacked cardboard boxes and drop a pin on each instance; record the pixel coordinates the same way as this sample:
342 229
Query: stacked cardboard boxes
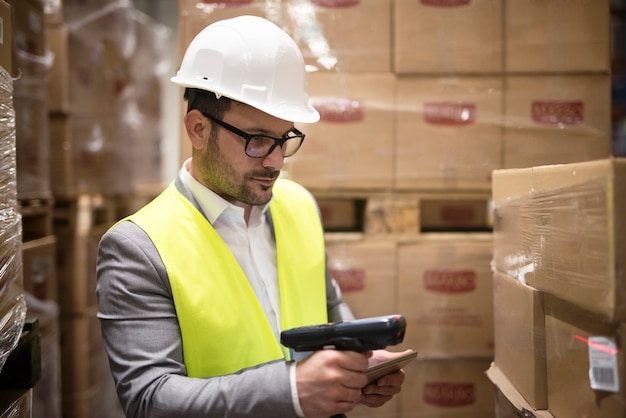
87 147
31 63
105 139
350 161
420 102
104 96
559 287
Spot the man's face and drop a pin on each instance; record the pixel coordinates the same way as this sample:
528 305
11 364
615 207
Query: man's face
224 166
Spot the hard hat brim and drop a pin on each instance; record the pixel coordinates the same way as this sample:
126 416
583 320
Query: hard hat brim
288 113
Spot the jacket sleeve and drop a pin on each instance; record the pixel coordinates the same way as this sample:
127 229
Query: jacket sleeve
143 342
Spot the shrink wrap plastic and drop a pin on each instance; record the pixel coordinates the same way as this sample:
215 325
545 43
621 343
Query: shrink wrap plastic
12 303
561 231
107 137
424 96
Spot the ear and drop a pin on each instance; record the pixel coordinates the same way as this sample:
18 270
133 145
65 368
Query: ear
198 128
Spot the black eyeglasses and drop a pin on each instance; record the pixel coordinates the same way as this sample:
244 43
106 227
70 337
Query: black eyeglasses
259 146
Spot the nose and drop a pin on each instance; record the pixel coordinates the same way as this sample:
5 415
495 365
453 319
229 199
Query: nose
274 159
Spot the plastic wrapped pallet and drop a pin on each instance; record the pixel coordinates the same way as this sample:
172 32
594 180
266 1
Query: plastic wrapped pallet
559 228
104 94
12 304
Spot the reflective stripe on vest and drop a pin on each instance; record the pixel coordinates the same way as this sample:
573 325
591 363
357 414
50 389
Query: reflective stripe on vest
224 328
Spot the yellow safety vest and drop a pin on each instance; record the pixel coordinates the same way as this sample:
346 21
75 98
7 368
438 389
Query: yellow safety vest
224 328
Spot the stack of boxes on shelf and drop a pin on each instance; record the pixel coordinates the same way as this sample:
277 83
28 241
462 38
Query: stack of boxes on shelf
16 379
420 102
351 161
88 146
557 109
104 99
558 83
105 137
559 296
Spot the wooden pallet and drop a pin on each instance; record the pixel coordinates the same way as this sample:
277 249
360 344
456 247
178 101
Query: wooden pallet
37 217
85 211
79 223
404 213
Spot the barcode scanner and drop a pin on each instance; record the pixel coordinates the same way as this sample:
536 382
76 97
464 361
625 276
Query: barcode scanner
359 335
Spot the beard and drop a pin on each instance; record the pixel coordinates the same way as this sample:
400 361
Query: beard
221 176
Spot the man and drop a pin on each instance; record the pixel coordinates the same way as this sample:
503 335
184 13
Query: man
195 288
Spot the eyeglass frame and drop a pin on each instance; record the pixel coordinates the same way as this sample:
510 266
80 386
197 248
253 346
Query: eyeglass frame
248 137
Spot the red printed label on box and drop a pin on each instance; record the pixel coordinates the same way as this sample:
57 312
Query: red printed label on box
445 3
450 281
449 113
336 109
228 3
336 3
349 279
449 394
557 112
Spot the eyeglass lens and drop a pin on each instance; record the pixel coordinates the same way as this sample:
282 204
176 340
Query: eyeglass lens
260 146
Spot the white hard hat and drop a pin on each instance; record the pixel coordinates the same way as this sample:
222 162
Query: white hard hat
253 61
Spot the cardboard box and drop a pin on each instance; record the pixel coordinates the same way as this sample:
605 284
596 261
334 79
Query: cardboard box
39 268
54 13
93 402
352 146
520 340
30 44
344 36
80 64
31 138
449 132
195 15
87 155
560 229
77 248
556 119
353 36
59 80
443 36
83 359
585 360
6 37
91 70
88 389
84 10
557 37
365 270
446 294
509 403
456 388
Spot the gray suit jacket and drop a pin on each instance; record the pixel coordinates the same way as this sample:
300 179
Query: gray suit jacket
143 341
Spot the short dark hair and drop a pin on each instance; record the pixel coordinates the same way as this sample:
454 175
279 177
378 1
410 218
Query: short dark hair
206 102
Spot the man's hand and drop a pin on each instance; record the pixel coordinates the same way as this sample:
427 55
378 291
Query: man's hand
330 382
381 391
